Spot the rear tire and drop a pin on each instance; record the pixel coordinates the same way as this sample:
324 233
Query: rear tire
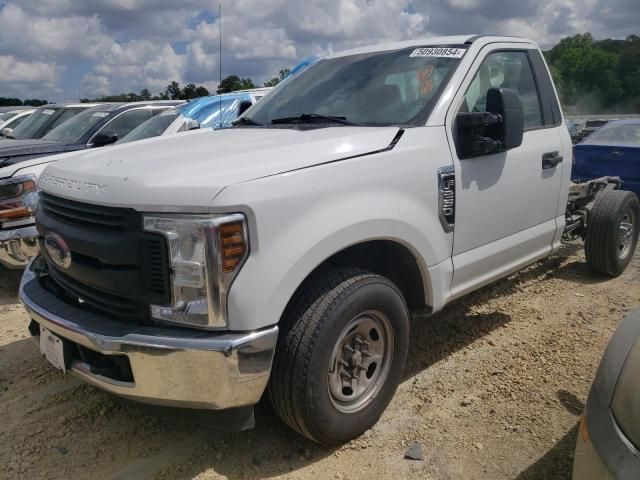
612 232
340 354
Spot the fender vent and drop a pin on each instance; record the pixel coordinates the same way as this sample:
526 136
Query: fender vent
447 197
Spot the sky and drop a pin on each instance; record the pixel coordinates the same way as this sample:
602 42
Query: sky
63 50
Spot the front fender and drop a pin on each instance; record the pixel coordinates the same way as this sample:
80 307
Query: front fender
299 219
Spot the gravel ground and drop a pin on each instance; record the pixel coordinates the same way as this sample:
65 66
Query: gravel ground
493 388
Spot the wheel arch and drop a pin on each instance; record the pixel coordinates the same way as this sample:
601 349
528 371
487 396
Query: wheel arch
390 258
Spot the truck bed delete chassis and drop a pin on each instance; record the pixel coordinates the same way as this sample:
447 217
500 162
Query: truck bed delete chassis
582 197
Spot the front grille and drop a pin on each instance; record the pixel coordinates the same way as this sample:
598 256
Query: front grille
84 215
116 268
112 305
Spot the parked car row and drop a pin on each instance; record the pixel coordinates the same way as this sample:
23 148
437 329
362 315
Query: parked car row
217 111
58 129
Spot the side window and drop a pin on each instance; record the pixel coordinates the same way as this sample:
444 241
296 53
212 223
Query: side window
125 122
508 70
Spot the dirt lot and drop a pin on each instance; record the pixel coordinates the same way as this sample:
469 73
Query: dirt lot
493 389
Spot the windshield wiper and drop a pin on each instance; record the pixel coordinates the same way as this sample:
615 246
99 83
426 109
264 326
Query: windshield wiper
311 118
246 121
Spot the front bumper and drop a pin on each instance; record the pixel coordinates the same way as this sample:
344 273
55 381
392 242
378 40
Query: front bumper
18 246
176 367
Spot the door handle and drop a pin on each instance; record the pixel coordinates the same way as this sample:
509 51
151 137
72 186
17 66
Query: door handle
550 160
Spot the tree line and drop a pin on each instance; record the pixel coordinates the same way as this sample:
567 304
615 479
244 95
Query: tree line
16 102
597 76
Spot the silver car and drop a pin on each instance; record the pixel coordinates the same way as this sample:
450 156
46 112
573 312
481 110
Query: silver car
608 445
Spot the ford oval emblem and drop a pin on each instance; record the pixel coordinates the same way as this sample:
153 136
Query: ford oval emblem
57 249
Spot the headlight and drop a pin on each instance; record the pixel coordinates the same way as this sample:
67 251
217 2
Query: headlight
206 254
18 200
626 397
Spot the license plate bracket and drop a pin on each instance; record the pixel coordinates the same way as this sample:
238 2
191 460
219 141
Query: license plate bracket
52 347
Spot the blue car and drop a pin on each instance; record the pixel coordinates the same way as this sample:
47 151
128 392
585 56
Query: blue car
613 150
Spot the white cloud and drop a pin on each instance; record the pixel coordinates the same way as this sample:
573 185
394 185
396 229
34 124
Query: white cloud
28 79
37 38
66 48
132 66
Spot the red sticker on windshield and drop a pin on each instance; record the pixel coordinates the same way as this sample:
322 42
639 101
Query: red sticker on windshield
426 83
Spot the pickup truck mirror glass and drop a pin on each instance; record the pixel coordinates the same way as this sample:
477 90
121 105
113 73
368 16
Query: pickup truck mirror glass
498 129
103 139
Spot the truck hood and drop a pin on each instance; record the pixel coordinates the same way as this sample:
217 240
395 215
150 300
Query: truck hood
185 172
16 151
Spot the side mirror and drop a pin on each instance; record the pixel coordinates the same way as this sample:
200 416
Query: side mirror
102 139
244 106
192 124
499 129
6 131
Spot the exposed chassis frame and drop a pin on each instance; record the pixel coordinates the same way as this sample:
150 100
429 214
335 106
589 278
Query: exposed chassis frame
582 197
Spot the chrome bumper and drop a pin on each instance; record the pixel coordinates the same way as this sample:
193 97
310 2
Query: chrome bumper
176 367
18 246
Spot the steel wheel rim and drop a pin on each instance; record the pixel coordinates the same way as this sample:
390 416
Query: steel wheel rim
625 234
360 361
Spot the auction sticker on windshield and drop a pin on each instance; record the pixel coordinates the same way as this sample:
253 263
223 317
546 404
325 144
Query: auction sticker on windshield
101 114
48 111
438 52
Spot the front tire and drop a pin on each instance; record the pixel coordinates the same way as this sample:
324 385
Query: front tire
612 232
340 355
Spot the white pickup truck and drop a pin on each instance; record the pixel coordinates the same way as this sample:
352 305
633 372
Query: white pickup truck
286 254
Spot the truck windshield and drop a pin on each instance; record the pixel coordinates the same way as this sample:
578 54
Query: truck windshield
75 128
153 127
398 87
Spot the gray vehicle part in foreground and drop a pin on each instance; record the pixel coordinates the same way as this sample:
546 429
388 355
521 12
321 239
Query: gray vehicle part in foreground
607 445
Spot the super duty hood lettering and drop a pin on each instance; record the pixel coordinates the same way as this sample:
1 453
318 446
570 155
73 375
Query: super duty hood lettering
70 184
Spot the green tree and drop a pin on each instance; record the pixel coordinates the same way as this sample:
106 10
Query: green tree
189 91
34 102
275 80
607 72
173 91
233 83
201 92
145 94
10 102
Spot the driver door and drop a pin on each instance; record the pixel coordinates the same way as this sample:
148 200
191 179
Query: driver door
506 203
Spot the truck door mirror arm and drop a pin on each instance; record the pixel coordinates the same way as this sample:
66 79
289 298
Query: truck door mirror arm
499 129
